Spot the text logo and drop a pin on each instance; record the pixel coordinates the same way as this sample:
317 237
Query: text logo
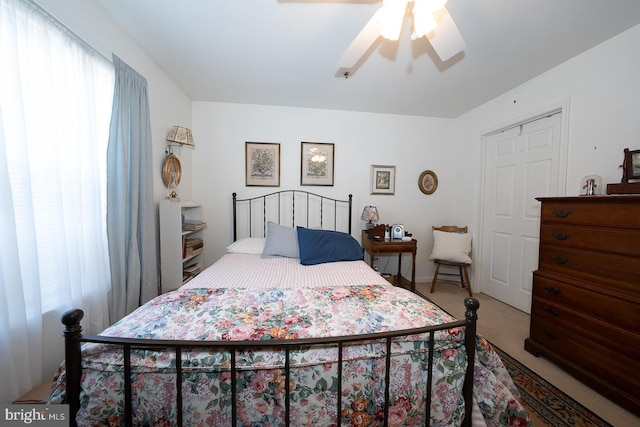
37 415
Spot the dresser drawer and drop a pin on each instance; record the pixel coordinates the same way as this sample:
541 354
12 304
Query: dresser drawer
613 270
598 239
624 312
593 329
588 211
599 361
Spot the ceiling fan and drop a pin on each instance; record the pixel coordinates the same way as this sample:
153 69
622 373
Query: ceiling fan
431 19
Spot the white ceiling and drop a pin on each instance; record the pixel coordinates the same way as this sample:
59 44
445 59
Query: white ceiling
284 52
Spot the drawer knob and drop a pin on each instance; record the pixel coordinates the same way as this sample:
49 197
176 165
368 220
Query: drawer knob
550 311
560 236
559 260
551 290
550 335
561 214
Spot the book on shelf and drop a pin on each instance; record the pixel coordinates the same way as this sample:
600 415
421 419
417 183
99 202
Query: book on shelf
193 224
192 269
192 247
194 242
192 252
190 272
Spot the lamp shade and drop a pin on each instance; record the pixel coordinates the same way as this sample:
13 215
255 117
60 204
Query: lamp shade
369 213
181 135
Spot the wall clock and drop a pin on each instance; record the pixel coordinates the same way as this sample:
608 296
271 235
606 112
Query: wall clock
428 182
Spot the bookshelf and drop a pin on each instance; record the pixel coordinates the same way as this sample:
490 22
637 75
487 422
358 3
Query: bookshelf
181 242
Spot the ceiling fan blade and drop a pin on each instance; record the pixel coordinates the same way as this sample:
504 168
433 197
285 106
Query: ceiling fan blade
359 46
446 38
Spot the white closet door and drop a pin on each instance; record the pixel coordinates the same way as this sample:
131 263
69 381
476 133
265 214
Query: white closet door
521 163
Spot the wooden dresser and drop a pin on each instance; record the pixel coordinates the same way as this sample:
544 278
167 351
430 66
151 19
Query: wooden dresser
585 310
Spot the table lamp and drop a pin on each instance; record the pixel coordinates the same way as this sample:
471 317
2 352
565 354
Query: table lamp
370 213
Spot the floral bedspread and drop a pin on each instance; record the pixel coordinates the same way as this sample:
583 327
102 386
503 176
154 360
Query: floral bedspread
229 314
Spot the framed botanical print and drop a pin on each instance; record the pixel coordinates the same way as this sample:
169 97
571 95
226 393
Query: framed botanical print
262 161
383 179
316 163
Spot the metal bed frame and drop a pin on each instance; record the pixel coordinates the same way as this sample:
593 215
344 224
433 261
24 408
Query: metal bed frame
74 340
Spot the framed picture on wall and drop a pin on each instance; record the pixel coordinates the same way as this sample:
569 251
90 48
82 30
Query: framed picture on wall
262 161
316 163
383 179
428 182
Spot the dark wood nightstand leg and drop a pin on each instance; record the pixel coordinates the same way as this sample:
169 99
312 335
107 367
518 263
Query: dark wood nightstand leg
413 272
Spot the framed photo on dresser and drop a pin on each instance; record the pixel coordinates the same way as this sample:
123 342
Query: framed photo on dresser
632 164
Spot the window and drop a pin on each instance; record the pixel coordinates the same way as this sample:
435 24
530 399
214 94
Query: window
55 109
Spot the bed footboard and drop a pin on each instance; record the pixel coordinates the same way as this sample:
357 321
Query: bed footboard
74 339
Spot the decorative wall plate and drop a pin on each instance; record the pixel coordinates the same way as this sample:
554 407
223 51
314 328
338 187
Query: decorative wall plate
428 182
171 171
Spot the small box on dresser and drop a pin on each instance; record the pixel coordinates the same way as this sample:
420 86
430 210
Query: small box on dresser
585 310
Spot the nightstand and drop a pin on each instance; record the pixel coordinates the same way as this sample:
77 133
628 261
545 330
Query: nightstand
374 247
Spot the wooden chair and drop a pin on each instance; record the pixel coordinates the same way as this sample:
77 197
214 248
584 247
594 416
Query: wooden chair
461 272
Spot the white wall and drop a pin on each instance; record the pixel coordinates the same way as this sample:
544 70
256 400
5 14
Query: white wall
602 88
412 144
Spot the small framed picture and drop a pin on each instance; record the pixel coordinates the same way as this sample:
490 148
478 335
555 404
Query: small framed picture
631 164
428 182
316 163
383 179
262 164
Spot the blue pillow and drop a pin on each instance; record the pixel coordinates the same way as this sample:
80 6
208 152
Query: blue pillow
320 246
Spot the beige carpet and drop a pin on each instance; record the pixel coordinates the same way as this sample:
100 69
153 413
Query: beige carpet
507 328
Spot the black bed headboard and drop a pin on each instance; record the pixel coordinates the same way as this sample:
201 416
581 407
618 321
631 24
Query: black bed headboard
292 208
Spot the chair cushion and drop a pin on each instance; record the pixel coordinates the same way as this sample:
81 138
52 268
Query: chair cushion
452 247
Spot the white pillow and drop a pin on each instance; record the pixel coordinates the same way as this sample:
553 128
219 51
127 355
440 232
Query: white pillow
248 245
454 247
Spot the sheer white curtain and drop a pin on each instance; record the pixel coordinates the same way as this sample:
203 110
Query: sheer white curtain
55 108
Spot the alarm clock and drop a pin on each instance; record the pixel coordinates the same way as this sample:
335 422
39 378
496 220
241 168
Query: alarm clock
397 231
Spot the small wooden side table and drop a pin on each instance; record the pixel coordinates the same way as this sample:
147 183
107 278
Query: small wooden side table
374 247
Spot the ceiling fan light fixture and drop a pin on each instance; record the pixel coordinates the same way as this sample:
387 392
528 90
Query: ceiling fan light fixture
390 18
423 20
431 19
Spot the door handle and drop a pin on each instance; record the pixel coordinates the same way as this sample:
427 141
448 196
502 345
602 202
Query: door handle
550 335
